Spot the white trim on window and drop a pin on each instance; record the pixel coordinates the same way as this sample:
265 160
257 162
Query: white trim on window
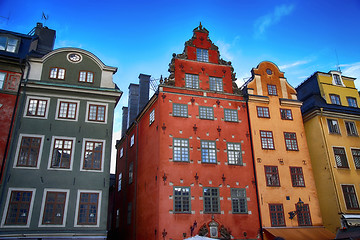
52 149
98 208
46 190
18 150
39 98
341 83
97 104
67 101
102 155
10 190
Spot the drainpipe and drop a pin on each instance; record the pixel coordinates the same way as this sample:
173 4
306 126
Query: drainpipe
255 178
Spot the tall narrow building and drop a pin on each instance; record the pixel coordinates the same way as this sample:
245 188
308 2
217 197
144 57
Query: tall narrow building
57 173
288 201
332 121
184 165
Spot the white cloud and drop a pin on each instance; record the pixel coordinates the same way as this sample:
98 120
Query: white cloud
294 64
264 22
352 70
224 49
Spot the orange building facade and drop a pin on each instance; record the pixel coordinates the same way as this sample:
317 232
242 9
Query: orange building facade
288 200
184 166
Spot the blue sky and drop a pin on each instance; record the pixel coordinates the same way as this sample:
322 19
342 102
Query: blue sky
301 37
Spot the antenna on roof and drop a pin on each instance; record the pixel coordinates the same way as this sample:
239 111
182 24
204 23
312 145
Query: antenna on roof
7 18
337 61
45 17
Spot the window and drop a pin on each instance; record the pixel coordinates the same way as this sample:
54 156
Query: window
93 154
202 55
356 157
286 114
297 177
211 200
53 208
191 81
131 172
216 84
67 110
272 89
97 113
272 176
61 157
2 79
152 117
234 153
352 102
231 115
238 200
19 205
9 44
119 182
181 150
340 157
333 126
129 210
277 215
88 209
337 79
351 128
350 197
29 150
263 112
303 214
180 110
208 151
121 152
206 112
182 199
86 76
267 141
132 140
290 141
335 99
57 73
36 107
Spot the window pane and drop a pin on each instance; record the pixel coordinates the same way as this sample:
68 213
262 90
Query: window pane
234 153
340 157
93 155
216 84
88 208
54 208
29 152
208 151
191 81
18 208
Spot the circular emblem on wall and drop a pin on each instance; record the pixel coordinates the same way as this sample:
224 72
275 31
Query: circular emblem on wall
74 57
268 71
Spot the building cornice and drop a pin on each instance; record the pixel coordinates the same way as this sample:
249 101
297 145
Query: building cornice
325 113
290 103
258 98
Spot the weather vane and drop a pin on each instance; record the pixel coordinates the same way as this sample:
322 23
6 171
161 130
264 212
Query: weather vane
45 17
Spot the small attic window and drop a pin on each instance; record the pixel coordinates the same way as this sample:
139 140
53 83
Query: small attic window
202 55
337 79
268 71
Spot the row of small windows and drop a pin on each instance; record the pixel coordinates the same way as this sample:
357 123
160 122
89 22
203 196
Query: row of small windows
341 159
9 44
277 216
181 110
66 110
273 180
335 99
267 140
53 209
215 83
61 157
263 112
59 73
334 127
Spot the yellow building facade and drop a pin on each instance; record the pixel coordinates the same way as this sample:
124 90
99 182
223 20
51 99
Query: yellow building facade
287 194
332 120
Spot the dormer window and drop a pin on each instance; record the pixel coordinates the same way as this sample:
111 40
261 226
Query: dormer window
8 44
336 78
202 55
86 76
57 73
335 99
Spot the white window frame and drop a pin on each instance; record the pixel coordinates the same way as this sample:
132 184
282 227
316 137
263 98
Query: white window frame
340 78
132 140
83 157
18 150
98 104
38 98
6 209
77 208
46 190
6 47
2 80
68 101
52 149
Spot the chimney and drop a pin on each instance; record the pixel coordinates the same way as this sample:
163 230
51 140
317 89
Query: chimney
144 82
124 121
46 39
133 103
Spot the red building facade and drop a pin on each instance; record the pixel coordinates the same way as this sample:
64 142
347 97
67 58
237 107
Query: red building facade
184 166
